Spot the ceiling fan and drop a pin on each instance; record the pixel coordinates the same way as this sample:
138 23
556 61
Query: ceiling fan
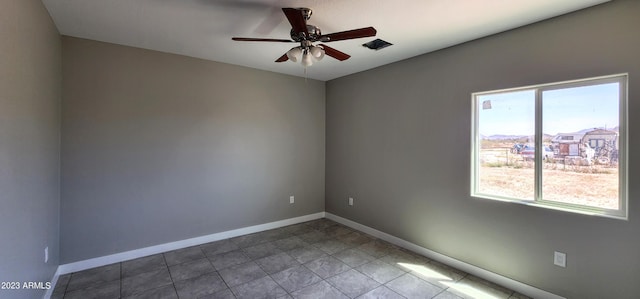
307 34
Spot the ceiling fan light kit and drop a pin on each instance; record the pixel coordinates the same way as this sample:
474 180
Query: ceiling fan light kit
294 54
307 34
306 59
306 53
317 52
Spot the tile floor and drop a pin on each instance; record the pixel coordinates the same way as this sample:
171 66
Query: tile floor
316 259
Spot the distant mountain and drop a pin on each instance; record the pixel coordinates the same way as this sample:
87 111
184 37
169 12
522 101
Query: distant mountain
583 131
503 137
516 137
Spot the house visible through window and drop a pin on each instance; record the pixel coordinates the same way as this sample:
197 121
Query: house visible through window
559 145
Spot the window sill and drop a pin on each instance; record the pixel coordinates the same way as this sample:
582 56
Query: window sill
556 206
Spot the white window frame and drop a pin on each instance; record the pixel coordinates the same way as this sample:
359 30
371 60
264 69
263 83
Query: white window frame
621 212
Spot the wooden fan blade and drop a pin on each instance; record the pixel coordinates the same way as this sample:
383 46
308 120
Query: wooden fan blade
282 58
250 39
296 19
335 53
349 34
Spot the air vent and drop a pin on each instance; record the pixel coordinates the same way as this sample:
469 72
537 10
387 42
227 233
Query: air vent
377 44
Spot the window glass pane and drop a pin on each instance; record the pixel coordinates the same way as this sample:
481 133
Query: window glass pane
582 169
505 124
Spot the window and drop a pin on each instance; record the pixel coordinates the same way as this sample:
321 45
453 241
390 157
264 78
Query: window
596 143
560 145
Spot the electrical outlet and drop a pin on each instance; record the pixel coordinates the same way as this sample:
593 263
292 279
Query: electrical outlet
291 199
351 201
560 259
46 254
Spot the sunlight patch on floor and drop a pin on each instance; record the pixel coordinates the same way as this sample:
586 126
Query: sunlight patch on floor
460 286
469 290
424 271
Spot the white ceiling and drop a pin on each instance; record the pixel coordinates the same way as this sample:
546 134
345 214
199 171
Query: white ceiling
203 28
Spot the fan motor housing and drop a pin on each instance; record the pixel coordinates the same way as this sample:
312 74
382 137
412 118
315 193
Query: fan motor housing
314 34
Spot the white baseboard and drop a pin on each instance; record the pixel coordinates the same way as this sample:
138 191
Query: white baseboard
142 252
517 286
54 281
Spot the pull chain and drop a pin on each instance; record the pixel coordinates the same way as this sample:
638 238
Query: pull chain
305 75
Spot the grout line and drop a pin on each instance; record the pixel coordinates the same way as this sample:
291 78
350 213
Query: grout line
173 283
53 288
121 276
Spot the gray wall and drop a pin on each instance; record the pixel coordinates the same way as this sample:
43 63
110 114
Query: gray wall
159 148
30 69
398 140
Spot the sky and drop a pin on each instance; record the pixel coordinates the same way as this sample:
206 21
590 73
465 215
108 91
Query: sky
565 110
